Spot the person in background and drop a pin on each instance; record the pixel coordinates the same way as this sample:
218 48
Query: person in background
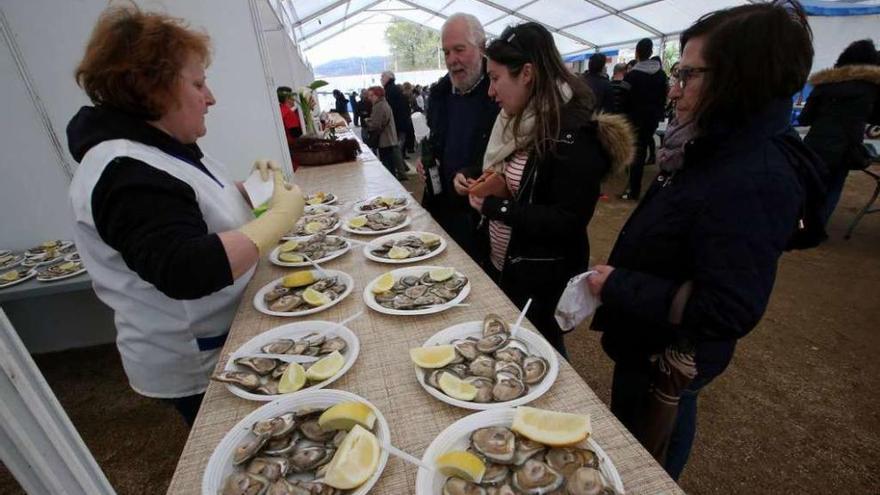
618 91
460 117
168 238
598 82
381 122
844 100
693 267
289 119
553 154
341 106
647 102
408 96
355 113
670 97
395 98
419 105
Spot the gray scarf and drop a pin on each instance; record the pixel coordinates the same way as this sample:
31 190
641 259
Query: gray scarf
670 156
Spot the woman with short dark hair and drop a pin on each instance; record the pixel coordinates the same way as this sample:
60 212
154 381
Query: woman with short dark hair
693 268
844 100
169 240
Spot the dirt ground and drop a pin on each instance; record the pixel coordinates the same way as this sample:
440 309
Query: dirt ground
796 411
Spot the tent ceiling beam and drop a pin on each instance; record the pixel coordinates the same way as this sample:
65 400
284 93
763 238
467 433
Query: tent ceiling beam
365 19
626 17
611 13
337 21
319 13
529 19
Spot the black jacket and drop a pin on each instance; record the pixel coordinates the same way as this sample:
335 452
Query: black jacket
399 107
715 228
438 122
647 96
555 202
601 88
843 101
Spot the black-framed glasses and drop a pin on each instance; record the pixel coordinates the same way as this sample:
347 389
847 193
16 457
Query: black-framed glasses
684 74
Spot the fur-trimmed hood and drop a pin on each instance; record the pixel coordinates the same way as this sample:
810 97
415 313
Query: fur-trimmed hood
618 140
869 73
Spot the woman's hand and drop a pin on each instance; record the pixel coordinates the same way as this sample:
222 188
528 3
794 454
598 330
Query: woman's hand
266 167
596 281
476 203
461 184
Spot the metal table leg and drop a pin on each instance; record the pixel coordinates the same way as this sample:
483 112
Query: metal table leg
868 206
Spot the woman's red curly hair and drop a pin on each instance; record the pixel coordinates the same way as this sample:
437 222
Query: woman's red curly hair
133 60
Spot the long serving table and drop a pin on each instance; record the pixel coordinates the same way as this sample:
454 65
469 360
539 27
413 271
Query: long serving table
383 372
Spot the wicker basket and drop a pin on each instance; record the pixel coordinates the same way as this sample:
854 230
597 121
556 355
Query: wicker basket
315 152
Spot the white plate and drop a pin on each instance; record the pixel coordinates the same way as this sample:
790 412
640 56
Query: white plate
376 243
406 221
40 278
320 209
63 245
37 260
358 207
220 464
262 308
294 331
537 346
273 256
31 274
4 252
16 260
370 298
335 199
288 236
456 435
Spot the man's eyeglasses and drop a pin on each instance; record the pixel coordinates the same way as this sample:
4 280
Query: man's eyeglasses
684 74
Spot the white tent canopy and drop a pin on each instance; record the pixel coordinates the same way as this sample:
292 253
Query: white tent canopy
577 25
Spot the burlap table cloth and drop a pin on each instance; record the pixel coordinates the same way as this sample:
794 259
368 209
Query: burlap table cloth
383 372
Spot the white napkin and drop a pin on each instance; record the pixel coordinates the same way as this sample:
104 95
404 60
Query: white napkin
258 190
577 303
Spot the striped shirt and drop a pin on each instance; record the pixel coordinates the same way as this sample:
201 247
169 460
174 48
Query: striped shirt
499 232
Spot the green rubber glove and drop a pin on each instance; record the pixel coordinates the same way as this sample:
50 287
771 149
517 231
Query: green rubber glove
285 208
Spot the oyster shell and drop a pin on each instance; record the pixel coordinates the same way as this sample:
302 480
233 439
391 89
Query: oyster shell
458 486
271 468
242 483
279 346
587 481
492 343
567 460
484 388
249 449
244 379
507 387
483 366
261 366
276 427
535 368
536 478
493 324
495 443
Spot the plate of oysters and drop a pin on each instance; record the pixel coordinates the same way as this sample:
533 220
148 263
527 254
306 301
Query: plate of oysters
417 290
486 364
48 246
380 222
259 369
16 276
303 292
319 248
320 198
60 271
382 203
8 259
322 223
47 253
405 247
319 442
518 450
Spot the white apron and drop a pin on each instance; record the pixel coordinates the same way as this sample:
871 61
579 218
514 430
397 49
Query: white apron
159 338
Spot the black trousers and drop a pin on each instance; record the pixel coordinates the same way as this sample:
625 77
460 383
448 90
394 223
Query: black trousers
188 406
644 136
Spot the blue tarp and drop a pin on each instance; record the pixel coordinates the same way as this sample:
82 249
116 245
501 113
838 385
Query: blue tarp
583 56
820 8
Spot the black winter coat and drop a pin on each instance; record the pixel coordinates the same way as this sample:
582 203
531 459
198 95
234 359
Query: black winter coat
555 202
399 107
601 88
704 243
843 101
647 96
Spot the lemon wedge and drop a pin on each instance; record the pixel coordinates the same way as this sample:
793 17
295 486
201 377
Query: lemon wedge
326 367
9 276
357 222
293 379
551 428
345 415
383 284
435 356
456 388
298 279
442 274
313 227
387 200
315 298
70 265
462 464
429 238
288 246
355 460
398 253
291 257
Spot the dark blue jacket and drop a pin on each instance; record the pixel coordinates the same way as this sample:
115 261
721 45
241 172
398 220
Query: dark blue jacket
715 228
